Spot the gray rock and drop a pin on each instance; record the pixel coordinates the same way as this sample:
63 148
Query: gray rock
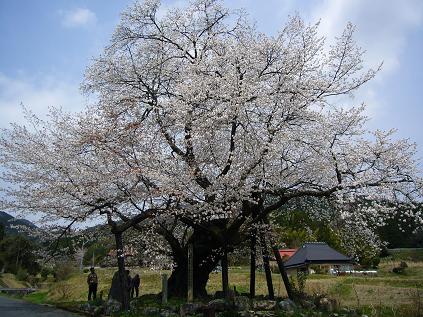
242 303
88 308
115 289
350 312
92 309
167 313
133 305
98 310
85 307
246 313
264 313
308 304
264 305
151 311
287 305
218 304
327 304
190 309
112 306
171 308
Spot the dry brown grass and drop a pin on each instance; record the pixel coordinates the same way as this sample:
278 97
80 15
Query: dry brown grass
387 289
9 280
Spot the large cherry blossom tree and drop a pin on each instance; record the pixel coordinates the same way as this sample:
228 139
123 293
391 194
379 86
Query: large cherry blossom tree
202 126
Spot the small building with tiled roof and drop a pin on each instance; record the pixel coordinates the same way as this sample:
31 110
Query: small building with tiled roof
316 253
287 253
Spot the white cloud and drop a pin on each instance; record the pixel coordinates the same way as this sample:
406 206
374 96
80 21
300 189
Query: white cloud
382 26
166 7
78 17
36 94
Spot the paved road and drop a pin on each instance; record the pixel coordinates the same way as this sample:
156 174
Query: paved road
18 308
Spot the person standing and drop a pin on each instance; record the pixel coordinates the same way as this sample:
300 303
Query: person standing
135 285
92 281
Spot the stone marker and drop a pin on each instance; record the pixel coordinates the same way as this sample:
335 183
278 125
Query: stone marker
164 288
115 290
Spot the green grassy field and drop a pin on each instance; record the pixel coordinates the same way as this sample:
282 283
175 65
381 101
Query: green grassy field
388 292
407 254
386 289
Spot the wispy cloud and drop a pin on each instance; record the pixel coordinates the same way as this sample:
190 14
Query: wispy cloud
78 17
382 26
38 95
383 29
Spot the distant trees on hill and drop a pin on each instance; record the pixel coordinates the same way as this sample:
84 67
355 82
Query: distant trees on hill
17 253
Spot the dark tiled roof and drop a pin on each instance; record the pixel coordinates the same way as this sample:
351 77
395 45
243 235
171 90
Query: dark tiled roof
316 253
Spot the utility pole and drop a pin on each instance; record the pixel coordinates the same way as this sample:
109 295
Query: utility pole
81 264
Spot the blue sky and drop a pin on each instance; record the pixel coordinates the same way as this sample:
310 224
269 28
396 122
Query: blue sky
46 45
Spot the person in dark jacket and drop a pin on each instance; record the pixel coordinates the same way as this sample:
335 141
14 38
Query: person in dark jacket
92 281
135 285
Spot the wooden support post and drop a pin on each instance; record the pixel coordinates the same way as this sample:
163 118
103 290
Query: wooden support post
164 288
253 265
225 274
190 273
121 269
283 272
266 266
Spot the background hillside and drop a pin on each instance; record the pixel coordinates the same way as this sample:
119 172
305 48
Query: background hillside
12 224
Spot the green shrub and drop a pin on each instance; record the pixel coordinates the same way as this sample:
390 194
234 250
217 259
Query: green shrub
63 270
33 280
401 268
341 289
301 280
298 283
22 274
45 272
230 313
369 262
37 297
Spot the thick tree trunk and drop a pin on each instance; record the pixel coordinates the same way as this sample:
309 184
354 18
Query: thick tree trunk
205 259
121 270
178 281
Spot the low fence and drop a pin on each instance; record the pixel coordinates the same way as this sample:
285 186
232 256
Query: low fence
17 291
405 249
